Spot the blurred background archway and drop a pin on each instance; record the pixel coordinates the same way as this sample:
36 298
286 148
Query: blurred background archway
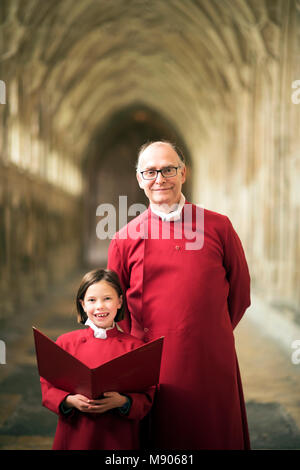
109 172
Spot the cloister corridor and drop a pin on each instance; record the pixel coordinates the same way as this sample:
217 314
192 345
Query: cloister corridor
83 84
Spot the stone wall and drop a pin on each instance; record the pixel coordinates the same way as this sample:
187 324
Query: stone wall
220 73
252 161
40 239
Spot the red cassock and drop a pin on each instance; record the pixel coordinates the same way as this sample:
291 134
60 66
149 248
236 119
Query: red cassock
194 297
90 431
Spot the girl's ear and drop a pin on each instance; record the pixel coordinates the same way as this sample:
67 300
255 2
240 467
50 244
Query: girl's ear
82 303
120 301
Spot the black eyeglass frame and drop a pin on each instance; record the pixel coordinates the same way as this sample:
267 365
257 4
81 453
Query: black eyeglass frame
160 171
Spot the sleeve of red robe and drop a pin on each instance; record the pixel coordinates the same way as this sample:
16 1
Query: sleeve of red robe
237 275
141 403
52 396
115 263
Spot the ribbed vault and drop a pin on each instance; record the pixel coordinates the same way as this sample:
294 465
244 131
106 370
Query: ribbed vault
87 59
217 77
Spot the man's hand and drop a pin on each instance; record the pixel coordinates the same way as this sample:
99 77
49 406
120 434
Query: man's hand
111 400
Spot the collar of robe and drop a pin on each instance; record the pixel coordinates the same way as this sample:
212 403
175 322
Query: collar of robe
100 333
173 215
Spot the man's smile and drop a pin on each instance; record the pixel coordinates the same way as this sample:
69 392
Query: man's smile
162 189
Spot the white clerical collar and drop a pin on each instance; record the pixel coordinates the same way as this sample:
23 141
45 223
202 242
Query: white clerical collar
173 215
99 332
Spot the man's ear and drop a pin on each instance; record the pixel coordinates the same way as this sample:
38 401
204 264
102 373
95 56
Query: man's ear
140 180
183 174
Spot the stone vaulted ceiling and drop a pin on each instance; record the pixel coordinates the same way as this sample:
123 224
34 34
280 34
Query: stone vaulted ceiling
84 60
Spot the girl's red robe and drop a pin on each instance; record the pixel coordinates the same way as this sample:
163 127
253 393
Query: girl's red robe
195 298
90 431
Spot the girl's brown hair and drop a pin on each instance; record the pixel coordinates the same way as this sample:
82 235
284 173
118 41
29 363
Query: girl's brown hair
92 277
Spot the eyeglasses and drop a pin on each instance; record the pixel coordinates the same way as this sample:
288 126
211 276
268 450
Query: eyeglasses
167 172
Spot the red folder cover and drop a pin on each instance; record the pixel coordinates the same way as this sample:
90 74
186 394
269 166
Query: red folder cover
134 371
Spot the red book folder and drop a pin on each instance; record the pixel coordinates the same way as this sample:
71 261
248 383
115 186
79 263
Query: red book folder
134 371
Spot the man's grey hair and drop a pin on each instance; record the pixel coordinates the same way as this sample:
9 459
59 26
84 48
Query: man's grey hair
159 142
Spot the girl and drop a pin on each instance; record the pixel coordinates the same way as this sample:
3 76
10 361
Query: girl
111 422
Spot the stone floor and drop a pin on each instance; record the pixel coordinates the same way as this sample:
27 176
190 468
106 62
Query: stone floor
271 382
271 385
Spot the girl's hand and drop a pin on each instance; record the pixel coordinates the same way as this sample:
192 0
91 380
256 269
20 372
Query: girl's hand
80 402
111 400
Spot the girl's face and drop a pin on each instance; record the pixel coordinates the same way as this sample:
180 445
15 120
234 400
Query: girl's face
101 303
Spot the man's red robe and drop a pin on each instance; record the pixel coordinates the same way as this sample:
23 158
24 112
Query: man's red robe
91 431
195 298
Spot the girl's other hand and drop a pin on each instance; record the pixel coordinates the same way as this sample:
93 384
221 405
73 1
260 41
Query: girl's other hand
109 401
80 402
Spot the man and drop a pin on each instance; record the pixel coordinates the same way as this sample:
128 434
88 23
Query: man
185 277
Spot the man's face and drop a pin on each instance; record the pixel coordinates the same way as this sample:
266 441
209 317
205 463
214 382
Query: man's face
166 191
